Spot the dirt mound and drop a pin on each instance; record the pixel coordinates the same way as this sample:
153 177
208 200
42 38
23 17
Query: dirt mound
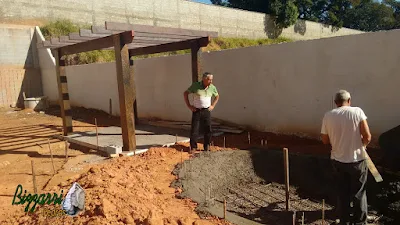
130 190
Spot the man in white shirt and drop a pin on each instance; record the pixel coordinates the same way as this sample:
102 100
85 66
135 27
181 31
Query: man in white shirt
346 129
202 91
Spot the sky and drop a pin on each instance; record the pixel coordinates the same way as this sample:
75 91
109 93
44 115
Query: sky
203 1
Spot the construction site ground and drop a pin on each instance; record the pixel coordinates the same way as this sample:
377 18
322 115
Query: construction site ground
145 189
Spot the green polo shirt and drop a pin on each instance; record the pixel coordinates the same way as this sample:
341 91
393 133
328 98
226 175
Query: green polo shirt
202 96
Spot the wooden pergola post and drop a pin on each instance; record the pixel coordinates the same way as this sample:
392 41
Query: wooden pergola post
196 66
126 91
132 70
65 106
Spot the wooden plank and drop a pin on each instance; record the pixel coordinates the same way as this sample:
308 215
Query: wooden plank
102 30
158 30
67 40
54 41
173 46
126 92
77 36
374 171
89 33
95 44
48 44
165 36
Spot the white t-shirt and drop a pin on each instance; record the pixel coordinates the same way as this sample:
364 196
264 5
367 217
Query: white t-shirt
342 125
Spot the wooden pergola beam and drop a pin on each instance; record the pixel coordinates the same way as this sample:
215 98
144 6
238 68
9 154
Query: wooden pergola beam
173 46
95 44
158 30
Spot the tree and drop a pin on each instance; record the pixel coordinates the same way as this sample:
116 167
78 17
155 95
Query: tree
370 16
364 15
285 12
219 2
395 5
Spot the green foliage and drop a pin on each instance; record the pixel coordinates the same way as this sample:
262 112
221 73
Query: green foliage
371 16
58 28
365 15
63 28
285 12
221 43
96 56
229 43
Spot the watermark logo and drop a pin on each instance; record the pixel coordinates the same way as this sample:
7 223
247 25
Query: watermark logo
71 205
35 199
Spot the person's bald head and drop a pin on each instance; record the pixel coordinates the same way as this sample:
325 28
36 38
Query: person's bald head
343 98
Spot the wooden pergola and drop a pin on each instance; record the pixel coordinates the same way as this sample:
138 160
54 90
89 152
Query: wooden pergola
127 40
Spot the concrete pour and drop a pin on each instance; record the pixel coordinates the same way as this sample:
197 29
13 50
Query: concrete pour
252 183
110 138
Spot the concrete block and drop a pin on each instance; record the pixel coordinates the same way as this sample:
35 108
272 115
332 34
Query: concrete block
186 18
190 8
113 149
164 23
85 16
140 9
190 26
100 18
206 27
229 32
166 10
141 21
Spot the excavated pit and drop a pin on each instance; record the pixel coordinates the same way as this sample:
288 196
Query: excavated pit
252 183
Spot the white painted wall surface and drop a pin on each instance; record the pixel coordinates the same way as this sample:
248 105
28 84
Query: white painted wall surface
47 65
93 85
285 87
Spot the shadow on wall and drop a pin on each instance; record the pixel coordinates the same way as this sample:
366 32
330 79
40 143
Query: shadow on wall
270 28
300 27
273 31
31 83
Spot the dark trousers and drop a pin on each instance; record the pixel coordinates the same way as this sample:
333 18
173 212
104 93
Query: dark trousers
201 119
351 179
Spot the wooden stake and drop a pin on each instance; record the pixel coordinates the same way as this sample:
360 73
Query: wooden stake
224 142
209 192
302 219
266 143
97 134
323 211
66 151
110 108
286 167
294 217
51 154
248 136
34 178
262 142
224 208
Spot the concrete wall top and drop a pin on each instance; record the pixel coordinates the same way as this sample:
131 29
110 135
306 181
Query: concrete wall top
166 13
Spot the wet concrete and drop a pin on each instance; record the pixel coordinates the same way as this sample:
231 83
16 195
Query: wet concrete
252 182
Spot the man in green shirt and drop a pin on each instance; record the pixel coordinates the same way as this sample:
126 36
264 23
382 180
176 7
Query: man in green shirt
202 91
